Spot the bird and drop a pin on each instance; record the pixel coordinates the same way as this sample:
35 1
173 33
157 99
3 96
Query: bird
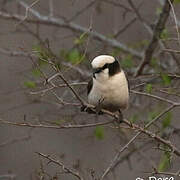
108 87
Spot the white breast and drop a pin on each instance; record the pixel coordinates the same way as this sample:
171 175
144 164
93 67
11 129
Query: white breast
112 93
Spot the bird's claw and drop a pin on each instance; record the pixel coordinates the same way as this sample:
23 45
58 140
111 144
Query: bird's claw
120 119
95 110
87 109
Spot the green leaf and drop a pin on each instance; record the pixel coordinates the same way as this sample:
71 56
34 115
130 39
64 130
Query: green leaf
30 84
158 10
81 39
115 52
149 88
133 118
164 34
153 62
176 1
58 122
99 132
165 161
58 65
42 54
140 44
152 115
36 72
167 120
127 62
74 56
165 79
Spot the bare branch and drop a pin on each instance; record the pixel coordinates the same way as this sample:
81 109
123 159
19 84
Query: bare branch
59 22
27 10
51 8
25 54
138 15
150 30
78 13
153 96
145 131
8 176
44 126
172 50
124 28
117 4
64 168
176 22
15 140
154 41
166 173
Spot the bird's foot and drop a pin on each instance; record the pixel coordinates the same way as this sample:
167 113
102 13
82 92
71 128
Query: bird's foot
98 109
120 119
95 110
87 109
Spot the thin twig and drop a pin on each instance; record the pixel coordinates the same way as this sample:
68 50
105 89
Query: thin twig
117 4
124 28
78 13
25 54
65 168
71 88
8 176
44 126
150 30
51 8
141 130
175 19
167 173
15 140
138 15
153 96
59 22
156 35
172 50
26 13
57 86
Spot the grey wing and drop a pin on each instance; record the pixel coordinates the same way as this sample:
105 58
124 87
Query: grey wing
127 81
90 85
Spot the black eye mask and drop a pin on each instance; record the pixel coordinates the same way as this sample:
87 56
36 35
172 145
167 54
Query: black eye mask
114 68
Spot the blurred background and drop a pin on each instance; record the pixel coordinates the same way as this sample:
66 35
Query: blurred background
86 29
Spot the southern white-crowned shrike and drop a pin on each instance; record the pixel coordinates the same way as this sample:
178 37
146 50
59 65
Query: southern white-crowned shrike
108 87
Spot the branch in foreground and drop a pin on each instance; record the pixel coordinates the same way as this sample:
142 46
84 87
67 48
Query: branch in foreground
141 130
64 168
131 125
156 34
176 174
144 131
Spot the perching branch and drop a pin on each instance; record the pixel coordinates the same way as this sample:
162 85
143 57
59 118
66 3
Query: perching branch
144 131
